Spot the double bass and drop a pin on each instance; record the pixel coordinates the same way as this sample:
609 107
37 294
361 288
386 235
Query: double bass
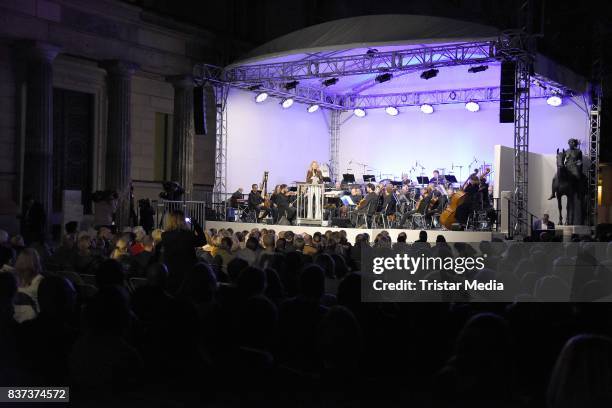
449 215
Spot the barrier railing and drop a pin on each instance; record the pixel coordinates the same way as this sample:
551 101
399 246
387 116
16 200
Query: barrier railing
193 210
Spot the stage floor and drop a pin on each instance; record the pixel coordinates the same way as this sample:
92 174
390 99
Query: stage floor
412 235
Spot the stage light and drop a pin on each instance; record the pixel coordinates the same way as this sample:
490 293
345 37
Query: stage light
430 73
478 68
360 113
391 110
554 100
286 103
313 108
254 87
291 85
261 97
330 81
472 106
383 78
427 108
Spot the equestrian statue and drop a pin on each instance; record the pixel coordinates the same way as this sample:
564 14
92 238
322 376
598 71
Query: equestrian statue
571 182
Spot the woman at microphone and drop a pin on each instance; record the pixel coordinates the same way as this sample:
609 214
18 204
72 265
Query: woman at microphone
314 176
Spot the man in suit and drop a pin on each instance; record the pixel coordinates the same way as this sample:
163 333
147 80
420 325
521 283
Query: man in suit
284 208
256 203
543 224
369 206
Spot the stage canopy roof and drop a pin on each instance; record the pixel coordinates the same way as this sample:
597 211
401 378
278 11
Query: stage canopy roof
383 33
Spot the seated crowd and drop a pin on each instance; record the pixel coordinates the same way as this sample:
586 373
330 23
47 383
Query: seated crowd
219 315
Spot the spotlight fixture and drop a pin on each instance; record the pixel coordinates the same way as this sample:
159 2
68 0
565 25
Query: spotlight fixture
427 108
313 108
472 106
287 103
262 96
430 73
360 113
254 87
291 85
371 52
383 78
391 110
330 81
554 100
478 68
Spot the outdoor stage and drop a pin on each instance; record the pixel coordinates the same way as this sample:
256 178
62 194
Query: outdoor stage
412 235
397 97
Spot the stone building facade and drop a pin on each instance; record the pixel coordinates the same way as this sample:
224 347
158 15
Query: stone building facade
97 94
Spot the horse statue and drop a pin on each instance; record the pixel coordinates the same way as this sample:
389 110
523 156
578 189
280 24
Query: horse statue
569 181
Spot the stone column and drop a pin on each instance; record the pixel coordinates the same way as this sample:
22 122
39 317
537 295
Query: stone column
38 155
118 140
183 132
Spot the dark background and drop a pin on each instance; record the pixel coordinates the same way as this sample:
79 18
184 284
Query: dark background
567 30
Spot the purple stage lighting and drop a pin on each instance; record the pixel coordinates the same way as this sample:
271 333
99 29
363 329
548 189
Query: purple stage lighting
391 110
360 113
261 97
287 103
554 100
313 108
472 106
427 108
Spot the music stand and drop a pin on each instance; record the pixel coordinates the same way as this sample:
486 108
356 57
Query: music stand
423 179
369 178
348 178
450 178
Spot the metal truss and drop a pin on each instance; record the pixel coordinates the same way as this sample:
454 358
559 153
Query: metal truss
484 94
334 144
594 140
520 214
301 94
221 92
369 63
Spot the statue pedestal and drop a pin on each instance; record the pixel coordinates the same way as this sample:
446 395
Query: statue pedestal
569 230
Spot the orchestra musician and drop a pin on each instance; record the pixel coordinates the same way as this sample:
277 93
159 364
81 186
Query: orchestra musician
389 202
471 202
274 208
284 207
367 205
437 204
421 207
256 203
314 176
436 178
236 196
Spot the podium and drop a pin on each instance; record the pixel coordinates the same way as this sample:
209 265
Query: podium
310 203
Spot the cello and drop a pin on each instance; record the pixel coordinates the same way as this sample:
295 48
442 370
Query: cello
448 216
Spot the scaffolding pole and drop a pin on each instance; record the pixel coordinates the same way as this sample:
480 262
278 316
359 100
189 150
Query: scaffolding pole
334 144
221 91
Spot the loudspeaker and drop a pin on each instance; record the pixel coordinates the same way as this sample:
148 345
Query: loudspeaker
199 110
507 92
341 222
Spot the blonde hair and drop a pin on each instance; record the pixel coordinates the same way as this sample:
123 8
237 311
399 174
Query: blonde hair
121 248
156 234
27 266
139 232
175 220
